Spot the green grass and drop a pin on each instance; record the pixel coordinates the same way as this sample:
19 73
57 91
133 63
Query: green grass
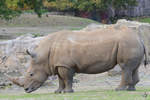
142 19
86 95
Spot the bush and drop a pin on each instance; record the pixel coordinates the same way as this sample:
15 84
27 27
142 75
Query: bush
11 7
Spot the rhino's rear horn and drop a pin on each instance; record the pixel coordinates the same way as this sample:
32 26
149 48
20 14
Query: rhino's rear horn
33 55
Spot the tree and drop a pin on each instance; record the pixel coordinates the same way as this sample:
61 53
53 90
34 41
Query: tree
123 4
11 8
6 12
36 5
59 5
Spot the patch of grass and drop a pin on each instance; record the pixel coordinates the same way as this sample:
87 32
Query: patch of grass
76 28
86 95
37 34
142 19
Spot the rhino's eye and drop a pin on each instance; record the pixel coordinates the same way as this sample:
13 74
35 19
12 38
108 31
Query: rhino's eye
31 74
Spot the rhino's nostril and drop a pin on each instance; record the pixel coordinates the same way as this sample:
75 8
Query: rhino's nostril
26 89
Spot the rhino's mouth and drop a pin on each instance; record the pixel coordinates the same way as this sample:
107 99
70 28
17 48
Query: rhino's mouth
31 89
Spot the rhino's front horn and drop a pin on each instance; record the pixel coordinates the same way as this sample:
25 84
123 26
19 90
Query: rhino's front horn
32 54
17 81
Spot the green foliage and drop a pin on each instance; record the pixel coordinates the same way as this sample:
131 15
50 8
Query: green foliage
12 4
88 5
6 12
142 19
11 8
36 5
80 5
60 5
118 4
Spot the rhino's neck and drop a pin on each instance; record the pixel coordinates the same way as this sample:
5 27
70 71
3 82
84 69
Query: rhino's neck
43 53
52 42
53 47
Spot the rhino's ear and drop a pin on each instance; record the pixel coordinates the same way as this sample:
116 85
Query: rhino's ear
32 54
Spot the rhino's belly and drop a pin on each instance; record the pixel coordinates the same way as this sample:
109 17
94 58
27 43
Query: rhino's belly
97 68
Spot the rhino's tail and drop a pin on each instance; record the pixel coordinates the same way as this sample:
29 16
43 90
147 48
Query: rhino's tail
145 61
145 53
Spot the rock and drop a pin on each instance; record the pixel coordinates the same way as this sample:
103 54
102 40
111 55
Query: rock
13 59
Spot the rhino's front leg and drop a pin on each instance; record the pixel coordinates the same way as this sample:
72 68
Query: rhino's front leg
67 76
61 85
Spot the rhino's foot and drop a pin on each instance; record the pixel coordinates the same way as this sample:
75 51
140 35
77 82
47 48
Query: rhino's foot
131 88
121 88
68 91
59 91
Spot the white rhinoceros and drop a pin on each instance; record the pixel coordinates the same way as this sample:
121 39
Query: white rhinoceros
65 53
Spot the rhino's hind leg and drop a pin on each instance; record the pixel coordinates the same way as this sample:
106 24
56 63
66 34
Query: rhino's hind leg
129 75
67 76
126 79
61 85
135 78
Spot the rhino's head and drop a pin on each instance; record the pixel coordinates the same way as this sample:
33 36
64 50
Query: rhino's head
36 75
